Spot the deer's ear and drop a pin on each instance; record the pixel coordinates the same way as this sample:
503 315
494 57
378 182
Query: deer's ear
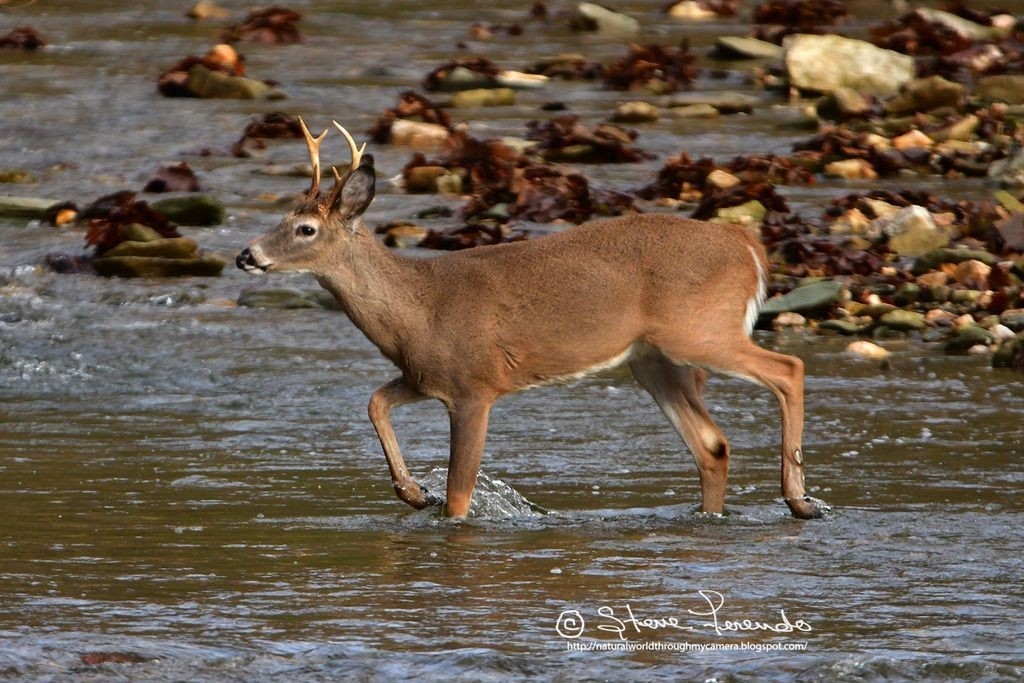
357 191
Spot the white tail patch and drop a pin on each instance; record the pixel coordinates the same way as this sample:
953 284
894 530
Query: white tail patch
755 302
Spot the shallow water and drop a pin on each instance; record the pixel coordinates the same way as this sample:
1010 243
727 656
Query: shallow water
192 491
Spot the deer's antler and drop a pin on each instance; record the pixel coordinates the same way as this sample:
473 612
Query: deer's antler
357 153
314 156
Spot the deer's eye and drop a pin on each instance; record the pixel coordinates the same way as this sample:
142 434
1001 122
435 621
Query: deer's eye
306 230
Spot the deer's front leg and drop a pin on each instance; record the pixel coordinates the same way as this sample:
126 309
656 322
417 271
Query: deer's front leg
469 432
396 393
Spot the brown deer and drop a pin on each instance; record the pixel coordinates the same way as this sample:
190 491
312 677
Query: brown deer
671 297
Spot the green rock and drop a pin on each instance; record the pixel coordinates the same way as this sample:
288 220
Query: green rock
936 257
16 176
965 337
286 298
1002 88
208 265
194 209
742 213
137 232
1007 353
906 294
484 97
903 321
173 247
846 327
25 207
925 94
815 297
204 83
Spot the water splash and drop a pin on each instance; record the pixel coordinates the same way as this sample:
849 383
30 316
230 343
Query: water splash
492 498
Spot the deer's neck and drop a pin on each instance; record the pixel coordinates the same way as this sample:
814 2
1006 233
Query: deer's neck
379 291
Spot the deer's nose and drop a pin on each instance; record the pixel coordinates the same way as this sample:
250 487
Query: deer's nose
244 260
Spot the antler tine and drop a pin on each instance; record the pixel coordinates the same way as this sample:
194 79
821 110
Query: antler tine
357 154
314 155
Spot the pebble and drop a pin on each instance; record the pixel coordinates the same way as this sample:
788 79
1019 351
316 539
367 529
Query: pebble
867 349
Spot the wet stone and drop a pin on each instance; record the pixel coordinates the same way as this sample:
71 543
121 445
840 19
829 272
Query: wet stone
810 298
903 321
197 209
966 337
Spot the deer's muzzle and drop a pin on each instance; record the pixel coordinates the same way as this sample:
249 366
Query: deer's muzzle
247 262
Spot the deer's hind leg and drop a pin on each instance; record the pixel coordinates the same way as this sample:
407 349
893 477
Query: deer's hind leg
678 389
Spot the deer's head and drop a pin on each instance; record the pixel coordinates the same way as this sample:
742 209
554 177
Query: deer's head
308 237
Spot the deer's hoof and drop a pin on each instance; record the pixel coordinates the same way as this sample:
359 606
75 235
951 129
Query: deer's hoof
807 507
431 499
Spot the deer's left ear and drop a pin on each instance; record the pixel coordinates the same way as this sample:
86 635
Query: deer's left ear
357 191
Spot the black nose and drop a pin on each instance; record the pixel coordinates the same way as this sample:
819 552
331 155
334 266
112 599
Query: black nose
244 260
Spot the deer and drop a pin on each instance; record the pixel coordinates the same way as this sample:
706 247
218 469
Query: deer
673 298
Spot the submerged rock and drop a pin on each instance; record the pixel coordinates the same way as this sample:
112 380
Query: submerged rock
207 265
196 209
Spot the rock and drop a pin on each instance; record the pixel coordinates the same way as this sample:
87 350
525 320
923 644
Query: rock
851 169
966 337
25 207
911 231
843 103
973 274
207 9
789 319
1010 354
867 349
193 209
959 136
912 139
1008 172
167 247
824 63
420 179
936 257
417 134
1008 88
483 97
933 279
1001 333
925 94
965 28
725 102
1013 318
16 176
590 17
520 81
689 10
939 317
403 235
903 321
739 47
815 297
694 111
286 298
722 180
208 265
635 112
747 213
845 327
204 83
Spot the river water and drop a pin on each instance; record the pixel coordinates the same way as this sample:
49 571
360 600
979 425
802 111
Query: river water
191 491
